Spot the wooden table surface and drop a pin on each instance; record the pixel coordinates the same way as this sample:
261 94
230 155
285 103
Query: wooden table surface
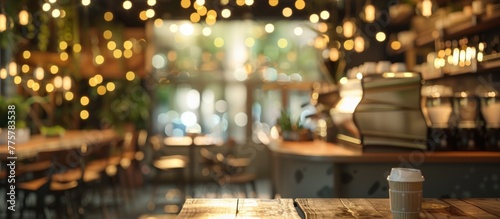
71 139
334 208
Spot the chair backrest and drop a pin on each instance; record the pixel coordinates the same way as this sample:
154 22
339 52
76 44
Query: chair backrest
64 161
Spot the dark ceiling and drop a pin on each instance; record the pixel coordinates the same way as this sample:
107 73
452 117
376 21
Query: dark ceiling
171 9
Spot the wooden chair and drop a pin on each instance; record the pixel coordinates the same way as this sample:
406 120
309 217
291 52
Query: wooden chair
104 161
228 169
163 164
58 180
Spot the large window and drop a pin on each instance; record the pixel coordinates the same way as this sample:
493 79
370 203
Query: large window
212 76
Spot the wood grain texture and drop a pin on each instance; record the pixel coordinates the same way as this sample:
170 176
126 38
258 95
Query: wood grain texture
209 208
312 208
271 208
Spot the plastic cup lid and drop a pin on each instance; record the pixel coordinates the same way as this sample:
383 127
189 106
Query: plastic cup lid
405 175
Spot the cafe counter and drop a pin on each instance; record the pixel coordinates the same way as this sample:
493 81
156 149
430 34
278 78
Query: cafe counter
320 169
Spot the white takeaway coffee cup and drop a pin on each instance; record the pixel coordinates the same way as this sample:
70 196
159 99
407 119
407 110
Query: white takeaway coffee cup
405 192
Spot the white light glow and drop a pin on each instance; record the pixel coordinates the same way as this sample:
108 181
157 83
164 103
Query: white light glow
188 118
269 28
186 29
193 99
324 15
207 31
85 2
241 119
240 74
127 5
314 18
158 61
426 8
298 31
221 106
348 104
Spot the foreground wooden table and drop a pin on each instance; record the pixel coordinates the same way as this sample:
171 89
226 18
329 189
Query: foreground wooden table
334 208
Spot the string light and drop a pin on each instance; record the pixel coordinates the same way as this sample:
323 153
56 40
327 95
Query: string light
3 73
300 4
127 5
108 16
12 69
39 73
426 7
349 28
3 22
380 36
226 13
85 2
369 12
151 2
24 17
66 85
287 12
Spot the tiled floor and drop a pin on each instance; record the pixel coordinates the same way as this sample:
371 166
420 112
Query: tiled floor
136 203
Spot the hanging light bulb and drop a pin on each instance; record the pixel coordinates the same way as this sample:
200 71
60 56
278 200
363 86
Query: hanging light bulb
3 22
369 12
334 54
24 17
426 7
349 27
39 73
58 82
349 24
66 83
359 44
12 69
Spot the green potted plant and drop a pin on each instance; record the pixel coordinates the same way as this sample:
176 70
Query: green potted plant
292 130
21 108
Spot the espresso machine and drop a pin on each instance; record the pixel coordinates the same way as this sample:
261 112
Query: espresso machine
439 109
468 134
347 132
389 115
490 109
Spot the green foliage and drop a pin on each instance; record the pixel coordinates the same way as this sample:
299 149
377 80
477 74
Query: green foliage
52 130
129 104
287 124
22 109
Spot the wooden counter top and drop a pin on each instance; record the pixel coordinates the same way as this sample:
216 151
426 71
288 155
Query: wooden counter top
334 208
329 152
71 139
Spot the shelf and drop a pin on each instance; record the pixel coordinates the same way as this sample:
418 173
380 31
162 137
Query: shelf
303 86
475 25
472 25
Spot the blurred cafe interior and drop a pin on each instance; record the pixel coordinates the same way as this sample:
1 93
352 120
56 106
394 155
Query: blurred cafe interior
124 109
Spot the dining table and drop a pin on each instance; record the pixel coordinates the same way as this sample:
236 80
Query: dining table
343 208
69 140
